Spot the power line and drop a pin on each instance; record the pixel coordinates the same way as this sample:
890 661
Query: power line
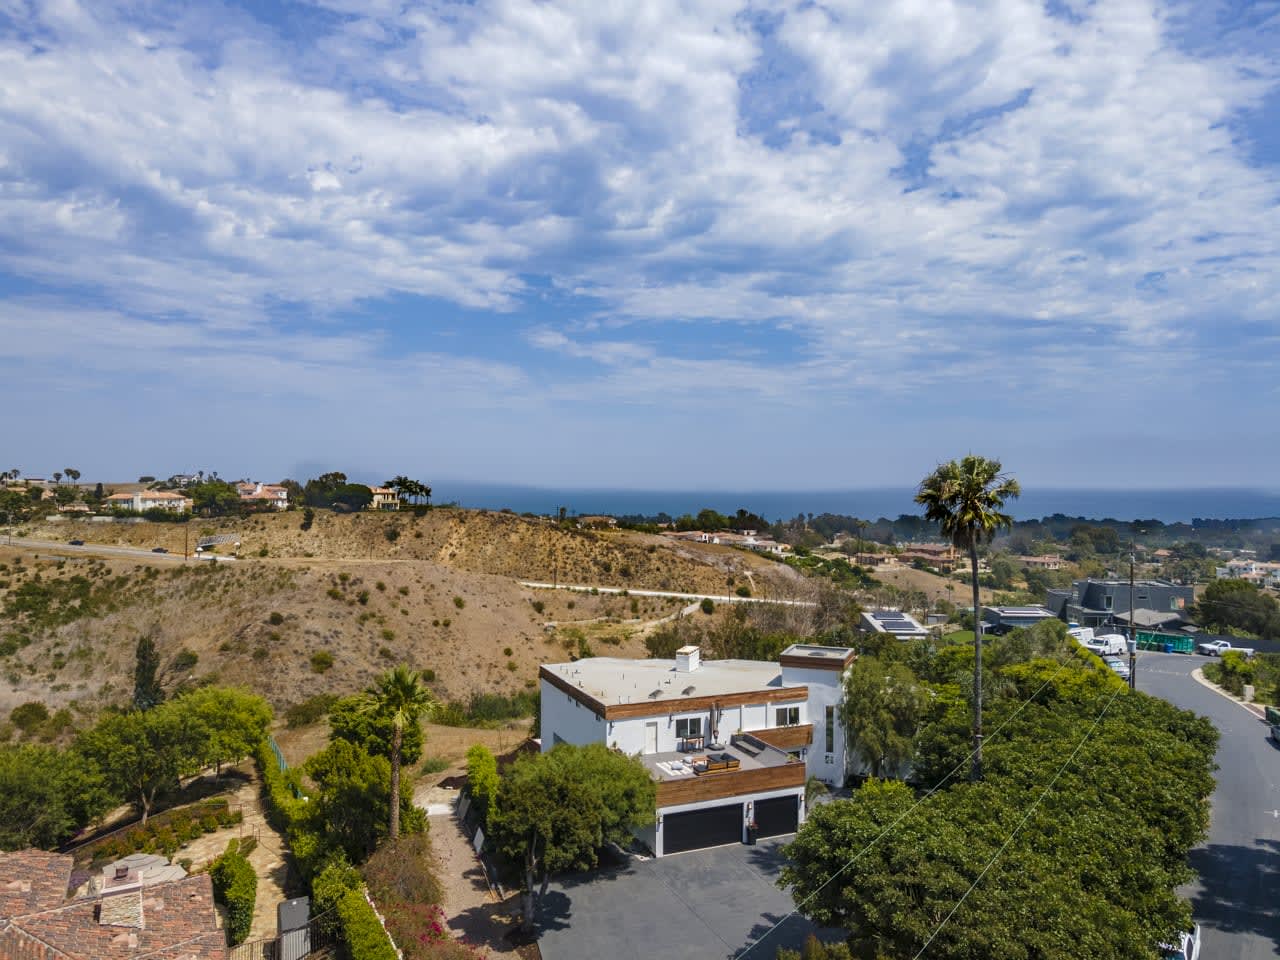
1027 816
910 810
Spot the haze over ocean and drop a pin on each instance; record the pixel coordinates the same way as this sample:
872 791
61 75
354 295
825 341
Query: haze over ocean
1168 506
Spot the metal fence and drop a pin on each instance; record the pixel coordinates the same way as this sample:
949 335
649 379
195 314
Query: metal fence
317 936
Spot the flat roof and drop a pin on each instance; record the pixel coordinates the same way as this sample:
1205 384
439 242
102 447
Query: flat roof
618 680
818 652
1023 612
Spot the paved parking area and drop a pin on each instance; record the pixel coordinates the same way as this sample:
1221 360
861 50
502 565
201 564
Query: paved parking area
703 904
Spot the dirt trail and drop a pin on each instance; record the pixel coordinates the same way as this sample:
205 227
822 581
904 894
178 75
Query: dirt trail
474 913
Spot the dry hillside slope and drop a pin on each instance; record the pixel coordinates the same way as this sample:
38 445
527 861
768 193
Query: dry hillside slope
439 593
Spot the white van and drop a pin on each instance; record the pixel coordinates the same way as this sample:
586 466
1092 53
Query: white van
1109 644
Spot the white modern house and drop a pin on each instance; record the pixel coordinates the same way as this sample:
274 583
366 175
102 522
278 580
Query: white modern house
149 500
729 742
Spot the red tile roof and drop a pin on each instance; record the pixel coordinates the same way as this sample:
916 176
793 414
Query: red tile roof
175 920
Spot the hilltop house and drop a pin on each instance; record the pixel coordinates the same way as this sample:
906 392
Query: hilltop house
267 494
729 742
134 910
384 498
144 500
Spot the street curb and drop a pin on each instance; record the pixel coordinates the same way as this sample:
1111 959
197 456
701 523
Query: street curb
1254 710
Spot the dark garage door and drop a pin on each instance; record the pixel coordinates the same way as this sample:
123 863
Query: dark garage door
696 829
777 815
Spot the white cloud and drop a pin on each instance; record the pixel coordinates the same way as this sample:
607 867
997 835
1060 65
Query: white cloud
939 181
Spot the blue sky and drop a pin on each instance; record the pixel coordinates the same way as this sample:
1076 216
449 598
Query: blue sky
674 245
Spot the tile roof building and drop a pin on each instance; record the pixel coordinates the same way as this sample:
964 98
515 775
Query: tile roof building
149 500
137 915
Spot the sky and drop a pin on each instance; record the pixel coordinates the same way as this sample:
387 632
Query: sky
676 245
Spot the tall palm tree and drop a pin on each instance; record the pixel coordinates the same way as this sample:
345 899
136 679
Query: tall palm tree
401 695
966 498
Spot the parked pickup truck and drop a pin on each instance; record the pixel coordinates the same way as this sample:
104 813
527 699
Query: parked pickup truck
1216 648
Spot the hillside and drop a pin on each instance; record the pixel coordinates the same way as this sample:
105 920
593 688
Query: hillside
501 544
442 594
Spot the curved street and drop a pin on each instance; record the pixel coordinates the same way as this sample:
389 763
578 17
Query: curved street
1237 898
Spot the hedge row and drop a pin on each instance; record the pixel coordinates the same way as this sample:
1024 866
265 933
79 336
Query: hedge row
167 832
335 885
338 887
235 885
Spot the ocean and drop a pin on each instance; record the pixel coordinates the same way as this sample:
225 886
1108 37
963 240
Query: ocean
1167 506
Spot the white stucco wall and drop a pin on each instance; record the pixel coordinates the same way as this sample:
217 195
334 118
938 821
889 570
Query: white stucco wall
826 689
566 718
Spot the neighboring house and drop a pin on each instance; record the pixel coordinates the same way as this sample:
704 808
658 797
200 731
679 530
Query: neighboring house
1046 562
730 742
1096 603
1003 619
943 556
1259 572
270 494
136 910
901 625
726 538
596 522
182 480
75 508
384 498
149 500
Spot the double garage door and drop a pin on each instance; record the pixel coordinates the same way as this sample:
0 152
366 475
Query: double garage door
716 826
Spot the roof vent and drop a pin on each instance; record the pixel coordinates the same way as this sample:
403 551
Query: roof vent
688 659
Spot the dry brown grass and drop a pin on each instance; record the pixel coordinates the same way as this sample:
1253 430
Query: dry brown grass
332 602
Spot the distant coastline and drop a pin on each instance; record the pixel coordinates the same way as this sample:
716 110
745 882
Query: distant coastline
1167 506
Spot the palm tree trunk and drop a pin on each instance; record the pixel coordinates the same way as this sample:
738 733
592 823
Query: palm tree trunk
975 773
395 782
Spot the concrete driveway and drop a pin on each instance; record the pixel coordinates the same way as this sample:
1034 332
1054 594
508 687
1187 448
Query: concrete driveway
702 904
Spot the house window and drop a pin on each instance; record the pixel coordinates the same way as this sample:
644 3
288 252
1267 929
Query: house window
688 728
1106 603
831 730
787 716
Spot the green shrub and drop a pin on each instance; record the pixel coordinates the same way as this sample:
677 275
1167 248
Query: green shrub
235 885
361 929
276 618
29 716
708 605
309 710
321 661
459 602
538 606
482 776
743 591
434 765
506 651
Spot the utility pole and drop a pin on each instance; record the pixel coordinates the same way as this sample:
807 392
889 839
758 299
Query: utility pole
1133 639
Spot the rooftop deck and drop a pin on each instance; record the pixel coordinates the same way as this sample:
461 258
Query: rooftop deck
742 766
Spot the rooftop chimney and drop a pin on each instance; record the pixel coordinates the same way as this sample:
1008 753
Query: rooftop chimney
688 659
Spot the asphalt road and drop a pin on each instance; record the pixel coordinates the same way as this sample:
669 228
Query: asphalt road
1237 898
63 549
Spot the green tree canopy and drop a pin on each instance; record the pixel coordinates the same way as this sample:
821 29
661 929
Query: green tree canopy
1238 605
350 804
556 810
143 753
881 712
46 795
234 722
147 691
351 719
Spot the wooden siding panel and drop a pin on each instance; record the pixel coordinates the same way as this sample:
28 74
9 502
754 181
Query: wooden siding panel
786 738
730 783
816 663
